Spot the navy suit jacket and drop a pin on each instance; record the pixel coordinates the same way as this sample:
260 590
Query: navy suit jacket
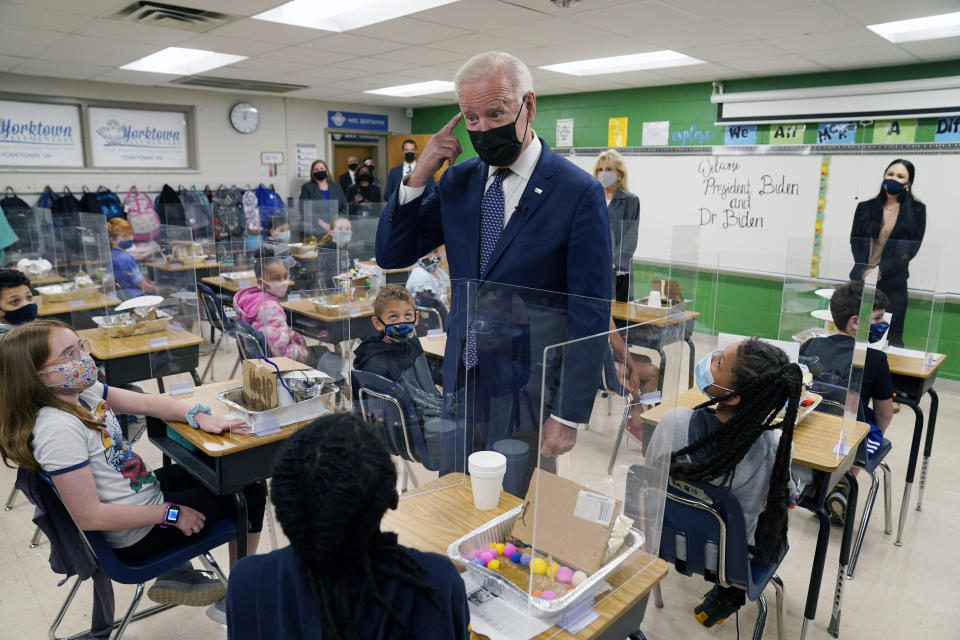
557 240
393 182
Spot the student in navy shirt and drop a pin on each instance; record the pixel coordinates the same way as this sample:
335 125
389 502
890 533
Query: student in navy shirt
341 576
126 272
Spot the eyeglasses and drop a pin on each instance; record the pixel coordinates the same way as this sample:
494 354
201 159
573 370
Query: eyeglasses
76 352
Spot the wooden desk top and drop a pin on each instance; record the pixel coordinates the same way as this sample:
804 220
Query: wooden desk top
222 444
447 505
105 348
813 439
173 265
913 367
434 346
50 278
304 307
99 301
370 263
229 284
635 313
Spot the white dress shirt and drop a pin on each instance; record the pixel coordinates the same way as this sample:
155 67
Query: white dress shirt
408 167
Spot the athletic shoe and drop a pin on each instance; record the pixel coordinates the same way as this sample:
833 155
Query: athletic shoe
713 610
187 586
837 504
218 611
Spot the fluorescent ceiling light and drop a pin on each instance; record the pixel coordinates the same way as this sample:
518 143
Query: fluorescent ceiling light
180 61
340 15
416 89
620 64
930 28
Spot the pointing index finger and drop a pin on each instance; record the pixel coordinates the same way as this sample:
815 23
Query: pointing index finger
453 122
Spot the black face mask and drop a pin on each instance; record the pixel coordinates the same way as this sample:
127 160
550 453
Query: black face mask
353 166
498 147
319 176
26 313
410 156
364 180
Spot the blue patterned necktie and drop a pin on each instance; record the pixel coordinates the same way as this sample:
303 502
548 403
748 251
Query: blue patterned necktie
491 226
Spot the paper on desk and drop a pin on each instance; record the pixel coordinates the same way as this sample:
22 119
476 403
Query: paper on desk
494 618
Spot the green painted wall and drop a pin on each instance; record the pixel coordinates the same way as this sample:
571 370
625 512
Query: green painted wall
749 306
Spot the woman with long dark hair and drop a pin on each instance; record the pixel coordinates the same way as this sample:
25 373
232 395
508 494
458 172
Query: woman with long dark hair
886 234
731 440
342 577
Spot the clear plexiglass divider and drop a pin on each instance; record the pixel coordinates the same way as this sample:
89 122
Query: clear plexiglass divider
34 252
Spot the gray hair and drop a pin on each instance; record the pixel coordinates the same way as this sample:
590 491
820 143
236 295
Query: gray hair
489 63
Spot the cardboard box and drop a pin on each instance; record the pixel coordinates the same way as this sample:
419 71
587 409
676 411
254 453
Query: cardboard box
259 385
573 522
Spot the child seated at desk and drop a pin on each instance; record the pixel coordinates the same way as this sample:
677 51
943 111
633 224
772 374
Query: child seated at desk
259 306
830 360
55 418
395 352
734 445
342 576
16 300
126 272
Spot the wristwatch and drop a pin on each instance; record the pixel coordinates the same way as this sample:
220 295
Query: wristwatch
171 515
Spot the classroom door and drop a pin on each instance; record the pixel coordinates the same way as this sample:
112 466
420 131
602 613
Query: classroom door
395 149
342 151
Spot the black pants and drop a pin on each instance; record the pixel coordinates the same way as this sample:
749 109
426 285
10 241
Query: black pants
181 488
897 306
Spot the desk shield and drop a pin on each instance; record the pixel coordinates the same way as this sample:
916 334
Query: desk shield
34 253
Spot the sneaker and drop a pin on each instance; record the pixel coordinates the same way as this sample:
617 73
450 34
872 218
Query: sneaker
187 586
837 504
218 611
713 610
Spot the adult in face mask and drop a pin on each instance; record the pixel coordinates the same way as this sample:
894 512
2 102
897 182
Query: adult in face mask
409 149
886 235
364 193
321 198
16 300
259 306
126 272
518 214
623 207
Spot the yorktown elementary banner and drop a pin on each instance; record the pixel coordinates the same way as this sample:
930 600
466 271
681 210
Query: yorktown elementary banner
35 134
138 138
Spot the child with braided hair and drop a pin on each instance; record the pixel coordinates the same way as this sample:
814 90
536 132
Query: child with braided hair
342 577
730 441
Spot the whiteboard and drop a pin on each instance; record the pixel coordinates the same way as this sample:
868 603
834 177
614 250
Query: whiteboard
758 212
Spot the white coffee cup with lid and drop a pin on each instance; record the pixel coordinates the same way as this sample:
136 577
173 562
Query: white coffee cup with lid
487 469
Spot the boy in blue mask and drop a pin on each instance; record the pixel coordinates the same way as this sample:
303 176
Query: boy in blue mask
126 272
16 300
395 352
829 360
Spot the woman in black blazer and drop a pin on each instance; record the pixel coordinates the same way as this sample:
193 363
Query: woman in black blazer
622 206
887 232
321 187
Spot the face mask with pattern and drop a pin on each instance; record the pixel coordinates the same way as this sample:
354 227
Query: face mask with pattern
77 374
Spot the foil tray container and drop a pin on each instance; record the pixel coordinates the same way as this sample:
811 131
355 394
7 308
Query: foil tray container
498 530
271 419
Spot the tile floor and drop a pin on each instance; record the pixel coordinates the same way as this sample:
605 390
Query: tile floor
906 592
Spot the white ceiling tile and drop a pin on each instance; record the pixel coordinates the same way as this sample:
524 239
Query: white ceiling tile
481 15
610 46
696 35
23 41
713 10
236 46
354 45
424 55
877 11
88 50
22 15
375 65
9 62
60 69
775 65
266 31
940 49
123 76
278 66
733 51
773 23
410 31
118 30
86 7
583 7
304 54
550 32
637 19
235 7
858 57
479 42
702 73
822 40
323 75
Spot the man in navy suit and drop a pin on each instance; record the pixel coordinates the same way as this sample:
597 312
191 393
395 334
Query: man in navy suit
533 223
405 168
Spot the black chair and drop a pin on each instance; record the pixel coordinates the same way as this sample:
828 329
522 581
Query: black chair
219 321
250 343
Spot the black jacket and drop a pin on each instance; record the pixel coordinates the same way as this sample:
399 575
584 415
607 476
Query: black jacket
405 364
624 212
901 247
310 191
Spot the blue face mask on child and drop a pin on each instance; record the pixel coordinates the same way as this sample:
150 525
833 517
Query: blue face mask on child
125 244
877 329
703 377
399 332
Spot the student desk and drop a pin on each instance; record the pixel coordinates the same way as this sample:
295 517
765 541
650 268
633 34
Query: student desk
223 463
658 332
450 513
813 442
434 346
63 311
393 276
132 359
165 271
911 379
50 278
228 285
329 324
